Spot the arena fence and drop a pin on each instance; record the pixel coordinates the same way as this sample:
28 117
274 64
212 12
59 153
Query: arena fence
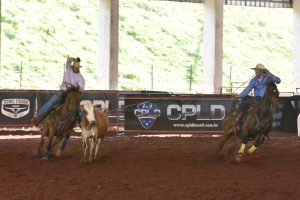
146 111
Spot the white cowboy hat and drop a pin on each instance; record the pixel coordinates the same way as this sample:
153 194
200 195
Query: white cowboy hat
259 66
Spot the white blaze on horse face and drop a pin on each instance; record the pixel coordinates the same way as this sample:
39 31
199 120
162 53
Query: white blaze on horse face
89 108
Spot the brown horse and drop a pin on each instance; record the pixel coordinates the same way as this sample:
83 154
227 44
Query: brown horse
60 122
256 123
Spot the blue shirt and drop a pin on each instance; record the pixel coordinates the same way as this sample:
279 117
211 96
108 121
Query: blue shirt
259 86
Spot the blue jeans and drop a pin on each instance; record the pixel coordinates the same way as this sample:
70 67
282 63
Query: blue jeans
247 102
58 97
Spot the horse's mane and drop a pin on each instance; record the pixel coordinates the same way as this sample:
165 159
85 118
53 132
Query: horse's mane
271 88
271 84
72 89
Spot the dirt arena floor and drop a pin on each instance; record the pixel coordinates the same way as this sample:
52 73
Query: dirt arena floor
154 168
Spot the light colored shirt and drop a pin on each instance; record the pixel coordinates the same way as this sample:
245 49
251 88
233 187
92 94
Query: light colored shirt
259 86
72 79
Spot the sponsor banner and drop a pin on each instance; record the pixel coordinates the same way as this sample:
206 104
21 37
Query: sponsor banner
16 108
102 99
41 97
145 112
286 119
175 114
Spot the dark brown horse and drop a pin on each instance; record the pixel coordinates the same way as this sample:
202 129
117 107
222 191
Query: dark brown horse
256 123
60 122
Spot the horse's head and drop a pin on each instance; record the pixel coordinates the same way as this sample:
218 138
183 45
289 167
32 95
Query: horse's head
72 99
272 94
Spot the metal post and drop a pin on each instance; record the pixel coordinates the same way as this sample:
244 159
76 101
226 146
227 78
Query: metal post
151 77
0 35
21 71
118 108
191 72
298 125
230 83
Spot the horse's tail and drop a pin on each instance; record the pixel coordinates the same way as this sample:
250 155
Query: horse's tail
225 138
229 131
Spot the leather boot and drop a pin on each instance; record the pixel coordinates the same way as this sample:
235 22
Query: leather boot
238 120
36 120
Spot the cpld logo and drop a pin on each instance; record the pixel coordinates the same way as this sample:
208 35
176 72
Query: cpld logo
147 113
15 108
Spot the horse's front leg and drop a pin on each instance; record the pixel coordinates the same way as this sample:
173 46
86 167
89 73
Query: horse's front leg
41 144
260 137
48 151
44 134
63 145
258 141
55 141
241 152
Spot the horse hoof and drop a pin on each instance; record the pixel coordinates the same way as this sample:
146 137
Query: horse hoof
45 158
239 157
58 153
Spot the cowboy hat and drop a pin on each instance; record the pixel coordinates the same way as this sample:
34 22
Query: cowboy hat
76 64
260 67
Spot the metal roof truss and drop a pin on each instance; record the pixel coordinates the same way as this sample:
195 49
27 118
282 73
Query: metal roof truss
255 3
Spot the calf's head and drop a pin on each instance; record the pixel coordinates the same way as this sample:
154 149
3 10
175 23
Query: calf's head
88 110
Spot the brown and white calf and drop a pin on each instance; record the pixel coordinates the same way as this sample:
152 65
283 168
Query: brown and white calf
94 126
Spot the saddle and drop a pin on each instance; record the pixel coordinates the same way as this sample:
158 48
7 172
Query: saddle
243 115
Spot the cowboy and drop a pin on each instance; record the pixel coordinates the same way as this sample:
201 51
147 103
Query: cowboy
259 85
72 78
